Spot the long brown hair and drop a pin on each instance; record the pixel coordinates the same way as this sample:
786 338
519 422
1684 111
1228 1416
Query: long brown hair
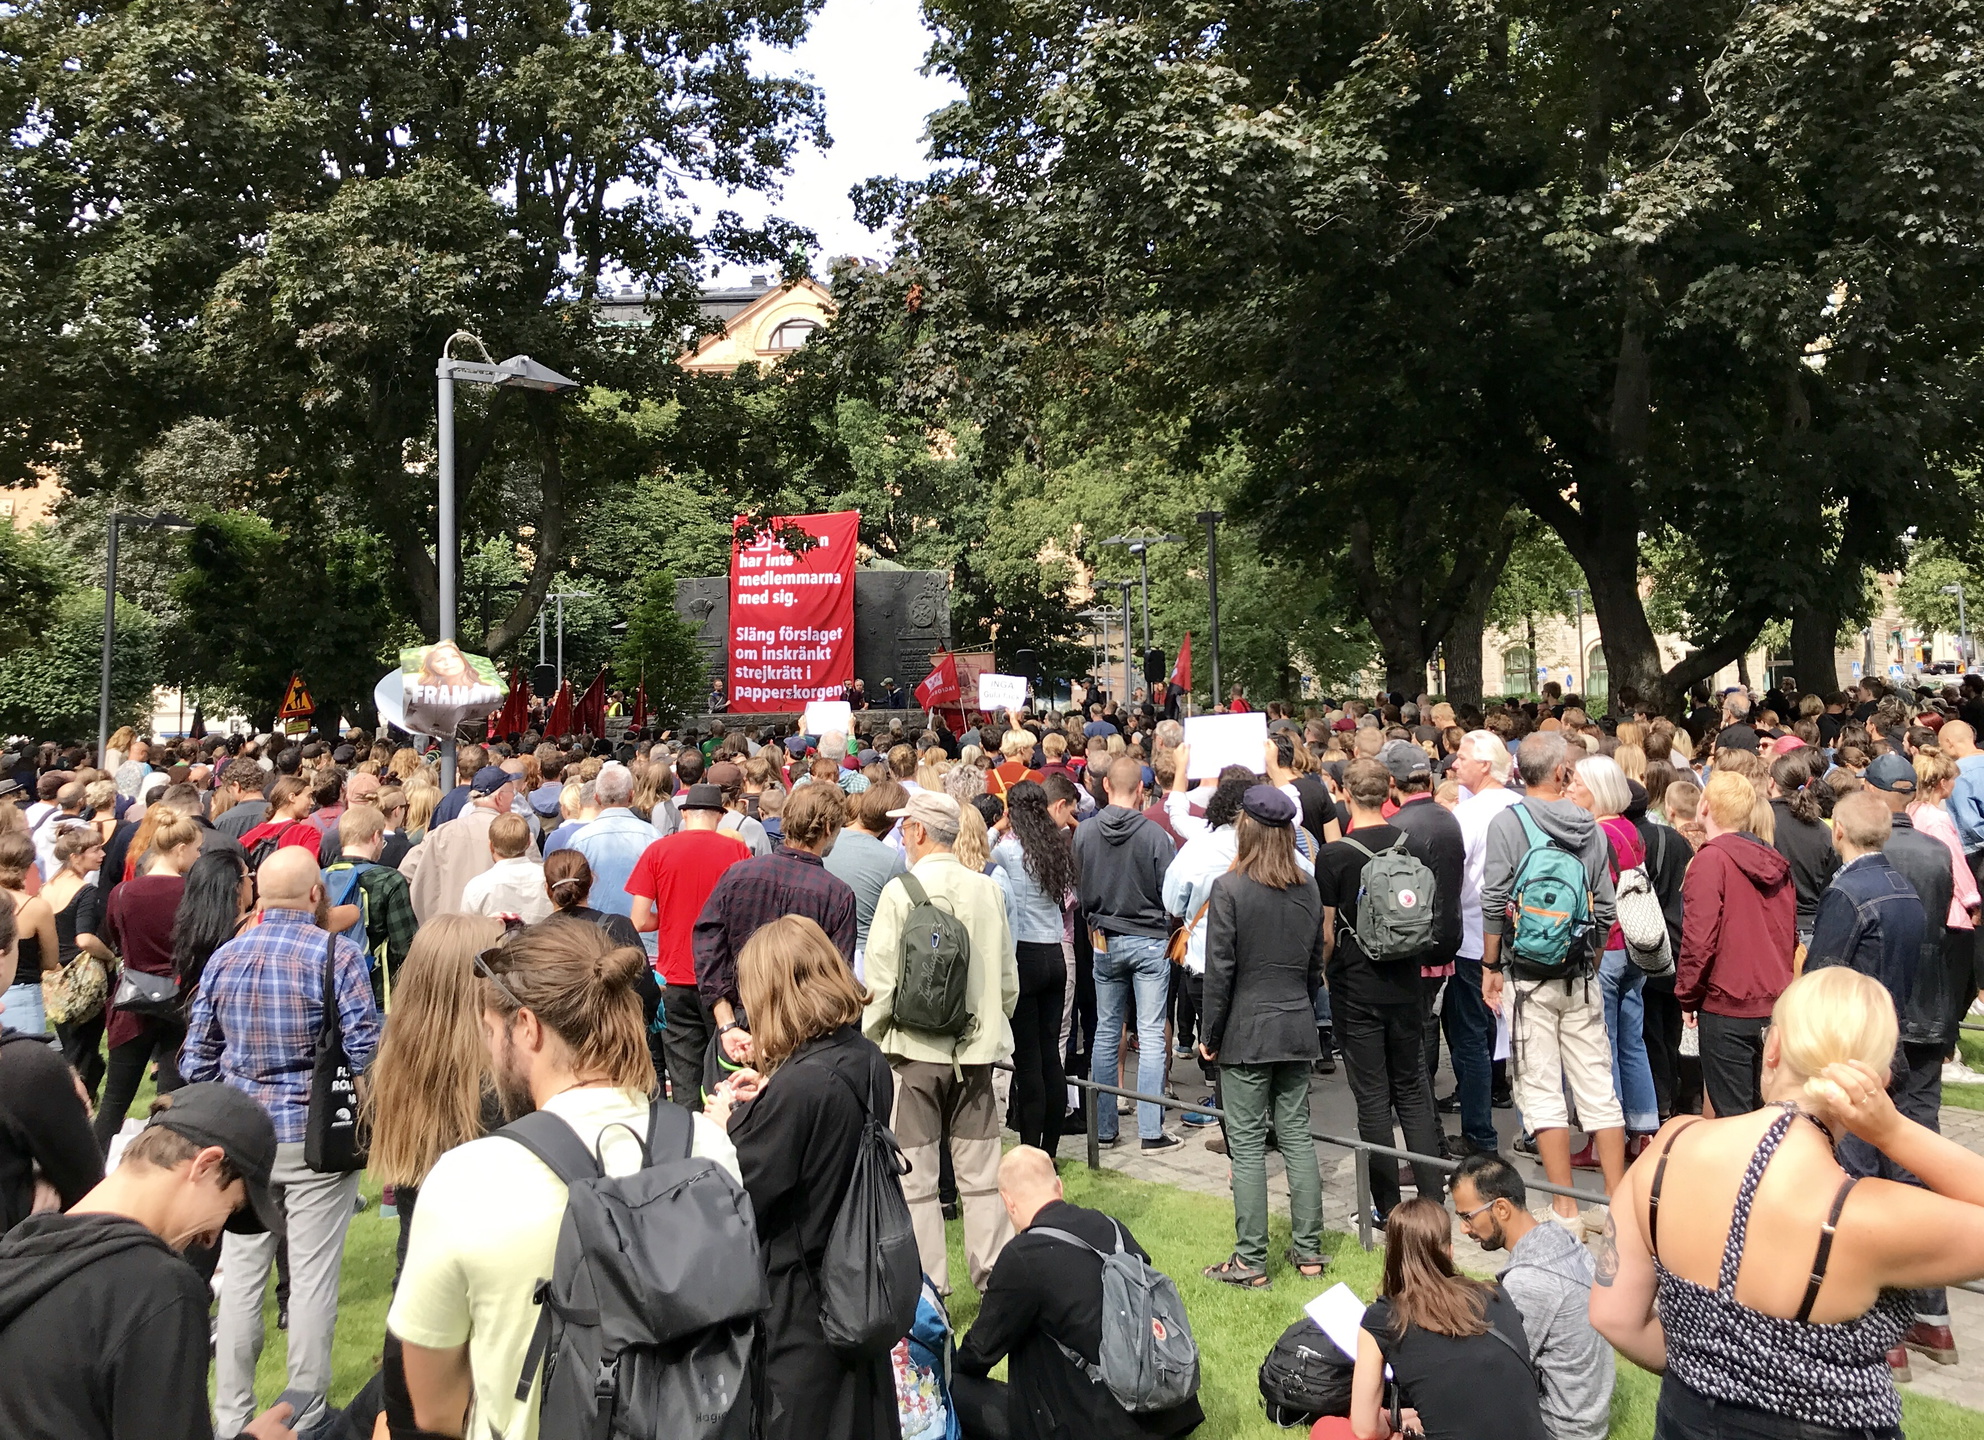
433 1067
1266 853
1420 1280
281 793
579 984
795 986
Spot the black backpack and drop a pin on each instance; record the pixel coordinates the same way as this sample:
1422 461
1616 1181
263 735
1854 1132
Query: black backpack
933 988
648 1323
1305 1377
871 1276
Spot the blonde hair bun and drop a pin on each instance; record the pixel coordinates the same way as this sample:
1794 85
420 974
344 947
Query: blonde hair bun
1829 1016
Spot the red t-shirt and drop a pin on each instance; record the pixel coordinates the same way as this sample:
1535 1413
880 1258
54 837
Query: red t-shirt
288 832
677 874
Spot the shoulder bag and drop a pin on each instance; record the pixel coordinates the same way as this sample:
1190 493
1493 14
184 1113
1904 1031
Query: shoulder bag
331 1142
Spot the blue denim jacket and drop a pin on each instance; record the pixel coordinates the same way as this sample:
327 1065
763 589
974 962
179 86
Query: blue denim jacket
1871 920
1966 802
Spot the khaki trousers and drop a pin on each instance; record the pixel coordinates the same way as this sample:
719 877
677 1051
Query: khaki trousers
936 1107
1559 1039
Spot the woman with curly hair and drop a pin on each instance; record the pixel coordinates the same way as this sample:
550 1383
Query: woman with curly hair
1035 869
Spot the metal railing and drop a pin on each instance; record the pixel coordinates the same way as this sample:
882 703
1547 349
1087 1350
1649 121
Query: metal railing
1361 1150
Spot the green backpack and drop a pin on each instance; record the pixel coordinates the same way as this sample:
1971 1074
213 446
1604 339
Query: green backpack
1395 903
933 986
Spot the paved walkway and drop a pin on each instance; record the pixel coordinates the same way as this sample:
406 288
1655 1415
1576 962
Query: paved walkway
1333 1113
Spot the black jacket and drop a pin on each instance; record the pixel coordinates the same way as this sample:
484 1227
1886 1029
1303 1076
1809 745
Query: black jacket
42 1122
1924 862
1123 856
796 1146
1264 960
1044 1290
1808 846
103 1333
1444 850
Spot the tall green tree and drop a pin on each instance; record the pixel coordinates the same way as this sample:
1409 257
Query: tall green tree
275 216
49 687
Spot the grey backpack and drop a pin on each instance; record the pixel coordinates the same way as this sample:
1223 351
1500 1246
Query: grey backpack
649 1322
933 987
1395 903
1149 1360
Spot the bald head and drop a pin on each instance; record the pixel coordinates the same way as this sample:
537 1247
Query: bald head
1027 1183
1957 739
288 879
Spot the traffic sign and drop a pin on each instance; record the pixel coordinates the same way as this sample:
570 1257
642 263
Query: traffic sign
296 703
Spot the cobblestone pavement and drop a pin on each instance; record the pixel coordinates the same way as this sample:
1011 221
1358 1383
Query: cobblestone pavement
1332 1113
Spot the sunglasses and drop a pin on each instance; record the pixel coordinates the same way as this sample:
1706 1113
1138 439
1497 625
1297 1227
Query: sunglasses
486 961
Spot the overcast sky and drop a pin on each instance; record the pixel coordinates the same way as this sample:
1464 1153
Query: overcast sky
864 55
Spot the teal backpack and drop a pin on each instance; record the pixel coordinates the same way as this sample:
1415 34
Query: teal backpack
341 887
1549 905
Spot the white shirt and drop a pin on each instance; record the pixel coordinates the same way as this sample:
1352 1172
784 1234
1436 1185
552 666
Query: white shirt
485 1232
509 887
1474 813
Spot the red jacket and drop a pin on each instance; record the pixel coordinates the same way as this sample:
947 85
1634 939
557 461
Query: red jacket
1739 925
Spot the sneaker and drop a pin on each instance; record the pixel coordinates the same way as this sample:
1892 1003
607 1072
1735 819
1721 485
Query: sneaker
1503 1100
1326 1065
1955 1072
1448 1104
1898 1369
1933 1341
1162 1142
1125 1107
1074 1123
1195 1119
1183 1052
1109 1142
1216 1144
1460 1147
1524 1144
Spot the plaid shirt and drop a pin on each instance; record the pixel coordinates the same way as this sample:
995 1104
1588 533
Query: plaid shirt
389 919
755 891
256 1015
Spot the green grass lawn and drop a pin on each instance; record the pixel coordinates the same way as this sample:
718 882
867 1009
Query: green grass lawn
1968 1097
1184 1231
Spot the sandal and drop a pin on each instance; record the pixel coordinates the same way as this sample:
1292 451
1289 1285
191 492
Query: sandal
1235 1271
1309 1267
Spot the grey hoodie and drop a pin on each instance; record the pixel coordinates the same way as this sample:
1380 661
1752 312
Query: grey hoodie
1571 826
1549 1278
1123 856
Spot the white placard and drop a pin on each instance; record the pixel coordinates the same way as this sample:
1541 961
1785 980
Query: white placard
1001 692
1218 741
824 715
1339 1314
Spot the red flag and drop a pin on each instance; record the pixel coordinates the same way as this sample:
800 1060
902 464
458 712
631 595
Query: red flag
560 722
639 719
591 714
1181 673
514 717
941 684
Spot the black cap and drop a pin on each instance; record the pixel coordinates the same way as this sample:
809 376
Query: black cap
210 1113
488 780
1891 773
1266 805
701 797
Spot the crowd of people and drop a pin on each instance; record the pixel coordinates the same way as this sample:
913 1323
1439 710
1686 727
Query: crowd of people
1722 950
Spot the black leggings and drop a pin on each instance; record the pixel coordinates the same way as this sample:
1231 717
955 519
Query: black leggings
1040 1086
127 1072
82 1047
1685 1415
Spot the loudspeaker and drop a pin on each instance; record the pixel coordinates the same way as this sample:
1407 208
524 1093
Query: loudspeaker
1155 669
1027 663
544 681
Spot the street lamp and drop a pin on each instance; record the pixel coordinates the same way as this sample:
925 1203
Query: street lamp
1210 519
1962 623
1128 683
164 520
1140 547
519 372
561 596
1099 616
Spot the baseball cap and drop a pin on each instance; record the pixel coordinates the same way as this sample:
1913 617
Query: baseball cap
1404 759
702 796
1345 725
1891 773
928 807
1266 805
488 780
210 1113
1785 744
725 775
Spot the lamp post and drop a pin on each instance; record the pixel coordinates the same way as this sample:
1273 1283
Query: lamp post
1099 616
1210 519
161 521
561 596
1129 683
1140 547
519 372
1962 624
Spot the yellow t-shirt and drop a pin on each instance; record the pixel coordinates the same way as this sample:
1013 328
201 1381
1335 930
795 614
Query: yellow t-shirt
485 1231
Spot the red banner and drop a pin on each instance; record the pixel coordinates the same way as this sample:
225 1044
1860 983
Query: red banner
940 686
792 615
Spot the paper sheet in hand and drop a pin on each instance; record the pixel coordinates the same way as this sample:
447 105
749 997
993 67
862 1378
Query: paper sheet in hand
1221 740
1001 692
824 715
1339 1314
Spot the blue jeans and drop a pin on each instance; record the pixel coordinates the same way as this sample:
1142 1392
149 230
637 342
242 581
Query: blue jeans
1131 960
23 1010
1470 1028
1623 984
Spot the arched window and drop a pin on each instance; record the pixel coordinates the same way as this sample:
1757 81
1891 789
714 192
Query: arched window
1597 684
1518 670
791 334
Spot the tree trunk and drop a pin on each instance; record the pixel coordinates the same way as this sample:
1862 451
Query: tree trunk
1463 644
1743 670
1814 653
